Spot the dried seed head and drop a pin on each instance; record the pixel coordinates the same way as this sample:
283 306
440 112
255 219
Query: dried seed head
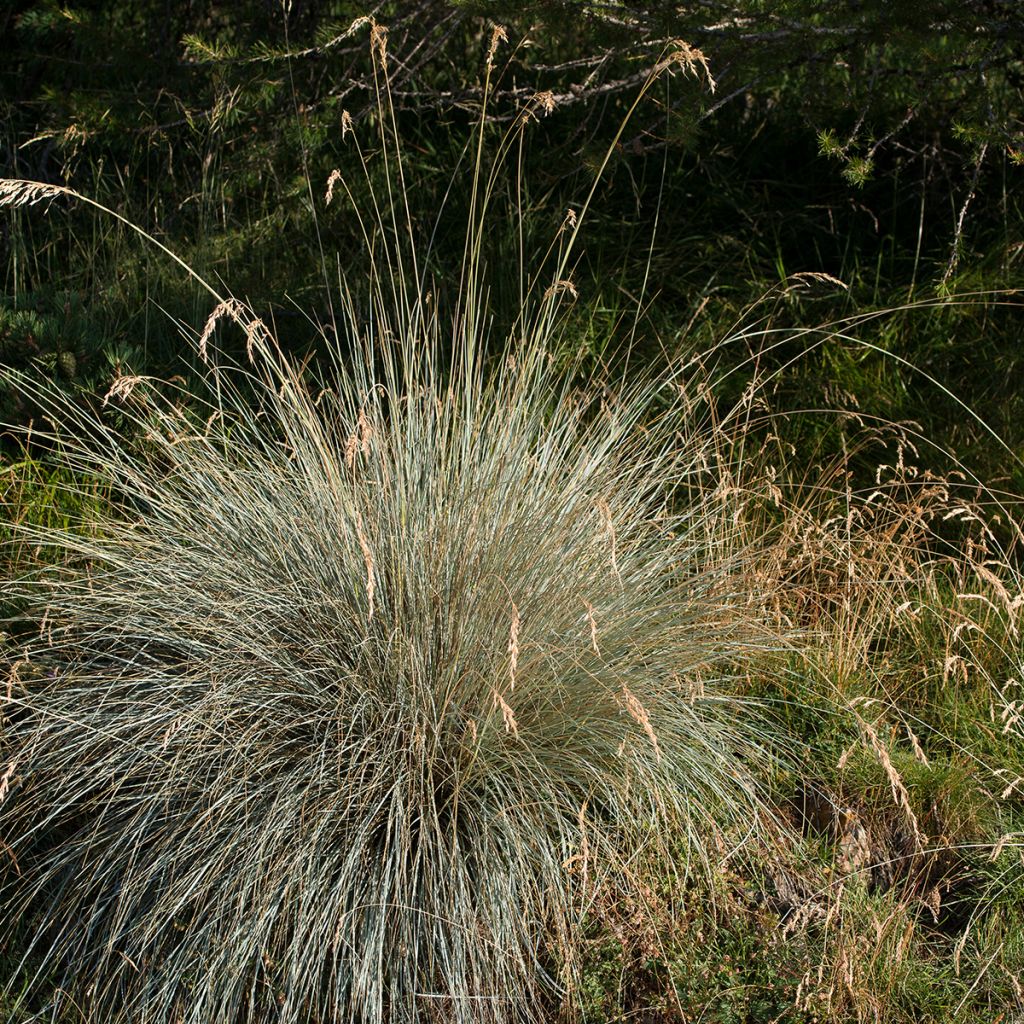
351 447
255 331
368 561
363 19
507 714
5 780
638 713
593 627
900 795
513 646
498 35
16 192
562 285
365 432
545 100
227 308
335 175
122 387
609 528
583 856
1008 791
379 44
359 440
690 60
804 277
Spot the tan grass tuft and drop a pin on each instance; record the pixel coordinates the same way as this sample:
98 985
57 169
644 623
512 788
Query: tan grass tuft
335 175
638 713
1008 791
13 676
900 795
564 285
17 192
351 449
546 101
122 387
368 561
5 780
508 716
498 35
915 743
365 432
228 308
609 527
690 60
803 278
582 857
379 44
593 627
1001 844
359 441
513 646
363 19
255 329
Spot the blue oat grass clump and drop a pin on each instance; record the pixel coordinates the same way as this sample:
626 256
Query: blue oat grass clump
370 676
361 686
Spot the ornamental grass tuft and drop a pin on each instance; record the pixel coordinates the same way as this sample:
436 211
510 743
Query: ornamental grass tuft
372 669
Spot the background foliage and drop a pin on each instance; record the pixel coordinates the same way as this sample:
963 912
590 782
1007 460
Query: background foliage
879 143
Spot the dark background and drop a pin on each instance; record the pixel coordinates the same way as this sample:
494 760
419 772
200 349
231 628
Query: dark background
879 143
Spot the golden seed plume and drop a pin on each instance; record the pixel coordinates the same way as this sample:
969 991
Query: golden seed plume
513 646
335 175
498 35
563 285
255 329
506 713
379 44
228 308
122 387
593 627
690 60
900 795
18 192
545 100
604 510
5 780
638 713
368 561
